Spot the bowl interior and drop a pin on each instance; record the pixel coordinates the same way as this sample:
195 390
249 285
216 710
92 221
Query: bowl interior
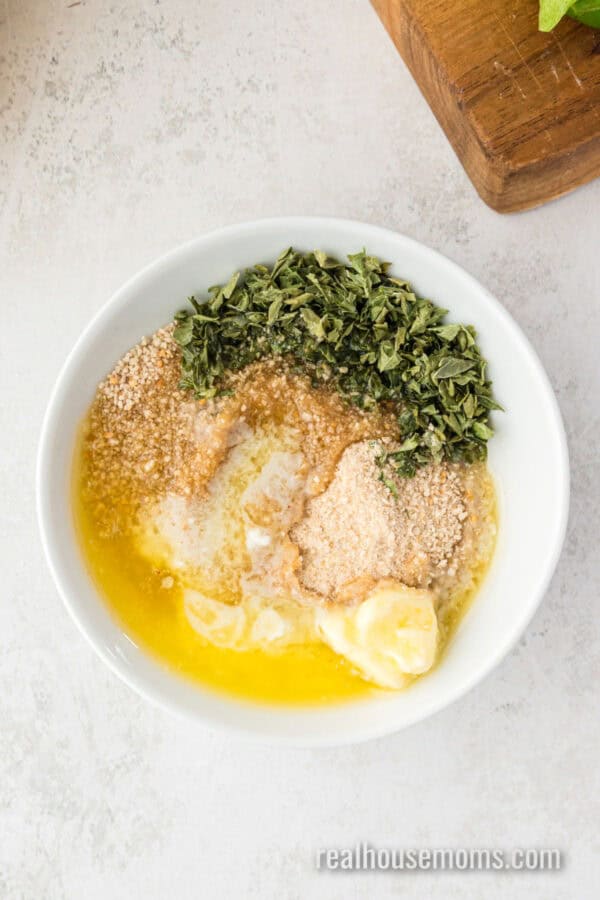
528 459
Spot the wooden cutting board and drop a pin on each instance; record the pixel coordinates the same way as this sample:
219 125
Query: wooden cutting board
520 108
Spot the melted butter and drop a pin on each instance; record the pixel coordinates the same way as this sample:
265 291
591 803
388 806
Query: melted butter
154 616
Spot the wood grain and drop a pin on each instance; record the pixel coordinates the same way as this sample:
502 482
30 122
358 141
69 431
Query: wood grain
520 108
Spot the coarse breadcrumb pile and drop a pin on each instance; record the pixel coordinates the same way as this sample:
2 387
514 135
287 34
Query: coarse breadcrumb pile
139 437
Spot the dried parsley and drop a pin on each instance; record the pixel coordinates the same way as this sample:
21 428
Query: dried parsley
358 329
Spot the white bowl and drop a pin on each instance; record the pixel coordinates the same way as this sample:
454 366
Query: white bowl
528 458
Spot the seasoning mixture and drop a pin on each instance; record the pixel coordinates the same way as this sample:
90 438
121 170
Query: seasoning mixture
264 538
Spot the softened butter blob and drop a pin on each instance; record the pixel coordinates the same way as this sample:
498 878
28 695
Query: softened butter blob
391 636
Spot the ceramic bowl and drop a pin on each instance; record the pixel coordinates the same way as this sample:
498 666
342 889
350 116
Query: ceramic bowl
528 459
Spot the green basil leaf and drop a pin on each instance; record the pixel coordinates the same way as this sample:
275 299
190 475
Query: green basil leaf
551 12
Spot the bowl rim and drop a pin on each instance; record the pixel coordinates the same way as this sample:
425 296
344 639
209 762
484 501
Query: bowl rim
226 724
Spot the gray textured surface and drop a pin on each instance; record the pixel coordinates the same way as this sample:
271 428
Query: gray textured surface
126 128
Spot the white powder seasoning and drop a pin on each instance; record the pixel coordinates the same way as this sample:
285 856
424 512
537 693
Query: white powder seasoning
357 531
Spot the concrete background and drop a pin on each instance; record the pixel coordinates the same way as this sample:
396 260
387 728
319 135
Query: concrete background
126 128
